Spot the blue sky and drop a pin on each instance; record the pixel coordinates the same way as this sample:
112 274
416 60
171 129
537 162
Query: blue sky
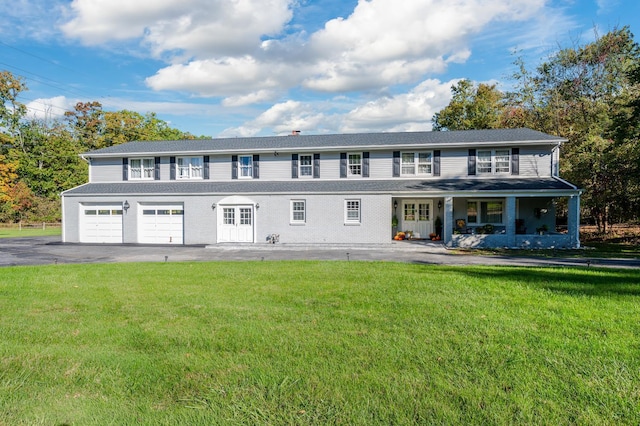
226 68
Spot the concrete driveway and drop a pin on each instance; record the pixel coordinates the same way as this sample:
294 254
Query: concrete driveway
49 250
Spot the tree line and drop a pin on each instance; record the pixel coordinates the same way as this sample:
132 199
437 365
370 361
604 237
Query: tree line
588 94
39 158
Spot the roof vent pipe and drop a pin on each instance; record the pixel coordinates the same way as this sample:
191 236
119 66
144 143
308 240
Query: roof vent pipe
295 132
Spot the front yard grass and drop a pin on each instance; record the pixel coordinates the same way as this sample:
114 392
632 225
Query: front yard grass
318 343
14 231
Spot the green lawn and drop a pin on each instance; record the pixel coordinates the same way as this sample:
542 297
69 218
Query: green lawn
318 343
15 232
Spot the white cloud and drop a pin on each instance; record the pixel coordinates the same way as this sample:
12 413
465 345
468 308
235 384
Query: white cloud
403 112
239 50
223 77
202 28
411 111
22 19
282 118
49 108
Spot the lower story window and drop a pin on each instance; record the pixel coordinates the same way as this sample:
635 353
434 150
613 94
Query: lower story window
352 211
298 211
485 212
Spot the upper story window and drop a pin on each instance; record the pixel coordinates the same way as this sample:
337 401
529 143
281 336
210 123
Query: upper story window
245 166
306 165
354 164
416 163
141 168
189 167
493 161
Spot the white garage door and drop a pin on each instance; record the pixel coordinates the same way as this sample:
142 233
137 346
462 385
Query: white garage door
101 223
161 224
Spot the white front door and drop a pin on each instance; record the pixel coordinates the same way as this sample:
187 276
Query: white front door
416 216
235 224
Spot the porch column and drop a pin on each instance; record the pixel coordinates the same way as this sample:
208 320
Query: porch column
573 221
510 228
447 223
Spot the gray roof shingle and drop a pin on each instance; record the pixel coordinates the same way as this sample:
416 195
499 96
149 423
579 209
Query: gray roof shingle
321 186
354 140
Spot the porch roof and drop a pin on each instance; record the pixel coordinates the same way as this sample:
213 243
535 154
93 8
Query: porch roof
431 187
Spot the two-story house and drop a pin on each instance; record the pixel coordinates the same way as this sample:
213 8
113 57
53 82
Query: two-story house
488 188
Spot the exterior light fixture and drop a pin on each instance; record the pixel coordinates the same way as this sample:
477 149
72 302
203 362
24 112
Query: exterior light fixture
213 206
439 205
126 205
395 204
257 206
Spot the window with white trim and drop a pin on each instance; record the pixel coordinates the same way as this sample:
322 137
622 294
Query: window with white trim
354 164
141 168
305 165
484 212
298 211
493 161
416 163
245 166
352 211
189 167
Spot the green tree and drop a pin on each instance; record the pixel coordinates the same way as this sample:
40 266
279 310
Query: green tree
12 111
582 93
87 124
471 107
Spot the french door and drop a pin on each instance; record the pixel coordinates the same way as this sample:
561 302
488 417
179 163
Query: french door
416 216
235 224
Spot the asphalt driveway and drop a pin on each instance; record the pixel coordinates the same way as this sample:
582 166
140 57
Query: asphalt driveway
49 250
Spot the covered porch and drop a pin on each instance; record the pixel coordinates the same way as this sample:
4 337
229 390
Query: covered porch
512 221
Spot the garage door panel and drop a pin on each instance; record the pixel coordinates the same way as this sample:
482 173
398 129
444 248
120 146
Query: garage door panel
161 224
100 223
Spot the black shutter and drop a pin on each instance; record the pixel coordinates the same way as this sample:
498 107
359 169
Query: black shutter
294 166
172 168
471 163
396 163
365 164
205 172
343 164
156 168
125 169
515 161
256 166
316 166
234 167
436 162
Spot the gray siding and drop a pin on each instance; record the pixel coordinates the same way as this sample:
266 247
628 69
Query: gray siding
325 218
105 170
533 163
